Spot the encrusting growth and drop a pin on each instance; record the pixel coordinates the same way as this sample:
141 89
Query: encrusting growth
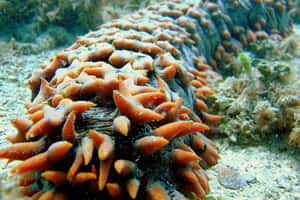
121 113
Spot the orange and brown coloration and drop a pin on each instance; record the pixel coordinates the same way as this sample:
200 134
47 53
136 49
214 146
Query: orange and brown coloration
119 114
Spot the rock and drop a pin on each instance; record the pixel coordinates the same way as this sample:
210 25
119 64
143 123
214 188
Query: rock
231 179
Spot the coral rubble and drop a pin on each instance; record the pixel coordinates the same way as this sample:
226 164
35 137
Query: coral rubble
121 113
264 100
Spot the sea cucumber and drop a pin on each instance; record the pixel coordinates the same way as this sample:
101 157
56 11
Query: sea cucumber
121 113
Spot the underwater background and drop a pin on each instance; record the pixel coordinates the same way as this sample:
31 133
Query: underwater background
259 137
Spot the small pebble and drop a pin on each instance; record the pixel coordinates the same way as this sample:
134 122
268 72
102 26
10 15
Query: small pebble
231 179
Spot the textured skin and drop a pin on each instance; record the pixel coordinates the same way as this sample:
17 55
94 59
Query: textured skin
128 100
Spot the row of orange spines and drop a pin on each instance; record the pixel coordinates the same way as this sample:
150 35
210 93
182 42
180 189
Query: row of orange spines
96 74
152 43
178 26
184 156
45 93
67 107
149 94
146 145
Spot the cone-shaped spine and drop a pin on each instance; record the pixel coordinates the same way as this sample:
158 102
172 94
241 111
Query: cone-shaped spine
170 130
56 177
105 166
182 157
121 125
68 131
87 150
195 127
124 167
134 112
23 151
114 190
150 144
23 126
132 187
42 161
81 177
76 165
157 192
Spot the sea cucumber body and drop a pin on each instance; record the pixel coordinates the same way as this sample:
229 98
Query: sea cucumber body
121 113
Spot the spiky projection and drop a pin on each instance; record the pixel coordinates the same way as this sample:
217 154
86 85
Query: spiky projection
121 113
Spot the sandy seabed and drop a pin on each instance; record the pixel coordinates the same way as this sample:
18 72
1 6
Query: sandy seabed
267 171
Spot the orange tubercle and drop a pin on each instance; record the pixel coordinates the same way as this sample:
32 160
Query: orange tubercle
150 97
195 127
114 190
212 119
68 131
121 125
134 112
105 166
38 162
83 177
182 157
106 149
151 144
87 150
200 105
56 177
188 175
124 167
23 151
170 130
132 187
157 192
76 165
41 127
